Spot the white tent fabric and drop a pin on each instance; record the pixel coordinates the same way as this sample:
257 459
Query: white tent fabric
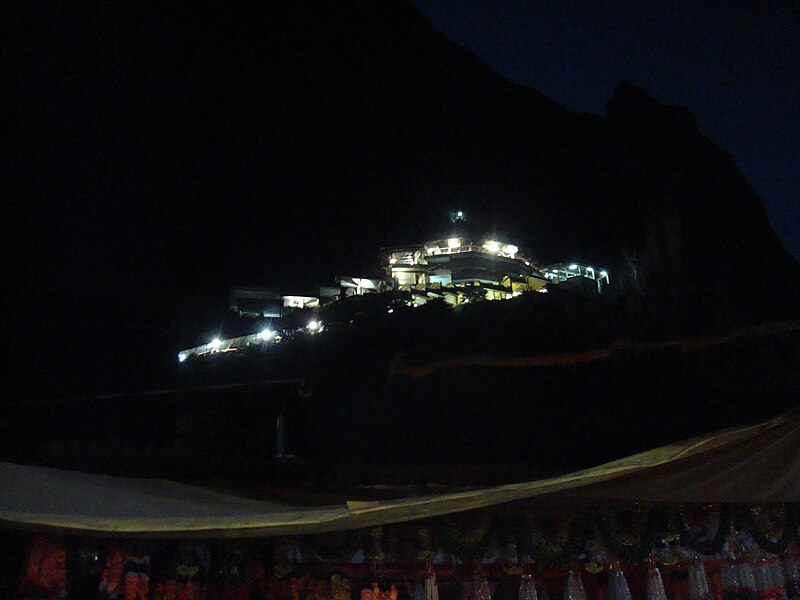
757 463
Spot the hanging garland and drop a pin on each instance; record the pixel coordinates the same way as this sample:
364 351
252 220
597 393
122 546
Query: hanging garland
625 539
578 542
468 543
545 538
778 540
661 533
425 553
707 547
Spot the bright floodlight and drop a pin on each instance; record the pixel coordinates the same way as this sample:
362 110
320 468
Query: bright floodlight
511 249
266 334
313 325
573 267
453 242
181 356
460 214
215 343
492 246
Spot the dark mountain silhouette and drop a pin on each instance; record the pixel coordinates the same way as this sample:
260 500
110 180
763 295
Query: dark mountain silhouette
168 152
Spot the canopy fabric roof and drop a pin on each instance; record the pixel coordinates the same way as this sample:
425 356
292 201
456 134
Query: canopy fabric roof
756 463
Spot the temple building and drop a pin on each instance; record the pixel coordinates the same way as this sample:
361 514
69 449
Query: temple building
459 269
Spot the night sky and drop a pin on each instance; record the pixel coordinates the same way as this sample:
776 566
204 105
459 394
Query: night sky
735 66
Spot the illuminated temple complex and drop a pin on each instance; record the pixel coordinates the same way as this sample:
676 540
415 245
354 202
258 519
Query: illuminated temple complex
456 270
459 269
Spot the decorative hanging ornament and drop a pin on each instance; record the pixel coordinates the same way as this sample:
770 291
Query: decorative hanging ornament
573 586
480 588
527 588
699 588
617 584
747 579
655 584
762 578
431 588
730 579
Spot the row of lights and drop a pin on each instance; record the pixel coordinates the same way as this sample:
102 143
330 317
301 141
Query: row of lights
490 245
265 335
314 326
574 267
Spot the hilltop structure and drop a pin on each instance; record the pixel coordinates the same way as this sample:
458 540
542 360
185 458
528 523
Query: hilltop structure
458 269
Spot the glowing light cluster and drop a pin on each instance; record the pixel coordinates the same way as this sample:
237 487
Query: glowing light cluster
496 247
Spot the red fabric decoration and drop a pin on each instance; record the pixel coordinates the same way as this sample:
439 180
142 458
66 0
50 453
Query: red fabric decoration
111 584
46 570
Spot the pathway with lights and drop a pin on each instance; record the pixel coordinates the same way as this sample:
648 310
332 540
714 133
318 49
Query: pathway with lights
265 336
